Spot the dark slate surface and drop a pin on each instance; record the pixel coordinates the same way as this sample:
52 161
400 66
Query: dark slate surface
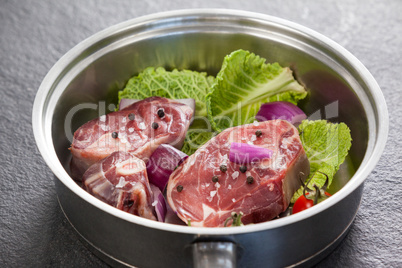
35 34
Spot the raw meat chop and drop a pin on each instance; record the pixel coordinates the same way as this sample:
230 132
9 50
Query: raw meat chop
138 129
196 198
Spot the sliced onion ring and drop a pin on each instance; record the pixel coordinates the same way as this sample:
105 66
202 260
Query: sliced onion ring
171 216
243 153
162 163
281 110
127 102
189 102
159 203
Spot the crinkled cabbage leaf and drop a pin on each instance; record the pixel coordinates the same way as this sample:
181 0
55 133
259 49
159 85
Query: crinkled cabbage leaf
245 82
170 84
326 145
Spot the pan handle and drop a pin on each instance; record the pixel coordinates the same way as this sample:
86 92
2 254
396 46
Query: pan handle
214 254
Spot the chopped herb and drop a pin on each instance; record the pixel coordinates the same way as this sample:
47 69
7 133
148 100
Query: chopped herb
131 116
243 169
189 222
155 125
215 179
179 188
250 179
161 113
236 219
258 133
223 168
115 135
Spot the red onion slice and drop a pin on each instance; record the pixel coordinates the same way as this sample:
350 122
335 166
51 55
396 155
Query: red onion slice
127 102
171 216
243 153
159 203
188 102
281 110
163 211
162 163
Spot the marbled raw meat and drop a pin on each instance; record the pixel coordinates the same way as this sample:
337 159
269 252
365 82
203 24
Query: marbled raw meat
133 132
195 197
121 181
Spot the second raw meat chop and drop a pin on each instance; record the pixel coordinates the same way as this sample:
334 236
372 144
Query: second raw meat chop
207 187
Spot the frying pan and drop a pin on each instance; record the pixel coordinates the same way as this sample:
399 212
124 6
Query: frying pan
84 83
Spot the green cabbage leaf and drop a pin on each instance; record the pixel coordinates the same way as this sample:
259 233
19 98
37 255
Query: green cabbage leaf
170 84
326 145
245 82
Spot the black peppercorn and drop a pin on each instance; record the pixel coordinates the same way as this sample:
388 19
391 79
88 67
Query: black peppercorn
161 113
223 168
155 125
115 135
131 116
258 133
250 179
243 169
215 179
179 188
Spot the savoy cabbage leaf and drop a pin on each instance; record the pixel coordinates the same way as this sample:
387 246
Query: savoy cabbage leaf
326 145
170 84
245 82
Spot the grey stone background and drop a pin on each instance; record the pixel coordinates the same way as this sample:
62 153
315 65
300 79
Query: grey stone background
35 34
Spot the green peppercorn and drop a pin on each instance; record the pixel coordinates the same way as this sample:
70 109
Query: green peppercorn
131 116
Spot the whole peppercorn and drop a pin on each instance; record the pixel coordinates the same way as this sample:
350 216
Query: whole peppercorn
243 169
258 133
223 168
155 125
115 135
179 188
250 179
161 113
215 179
131 116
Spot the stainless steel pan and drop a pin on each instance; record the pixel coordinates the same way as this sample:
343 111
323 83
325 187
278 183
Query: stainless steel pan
82 85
